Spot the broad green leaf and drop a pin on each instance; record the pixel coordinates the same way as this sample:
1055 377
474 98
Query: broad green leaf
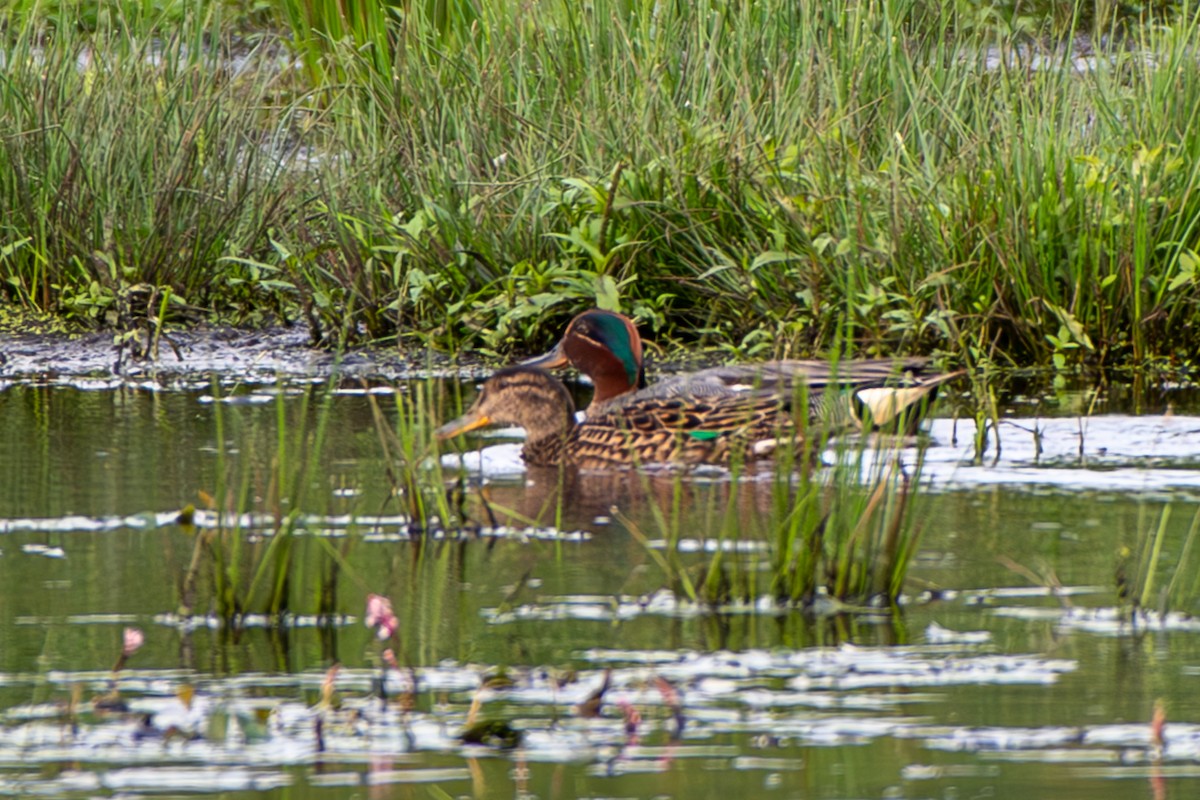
607 296
772 257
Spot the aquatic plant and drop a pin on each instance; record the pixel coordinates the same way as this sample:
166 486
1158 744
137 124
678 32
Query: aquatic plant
261 546
1147 579
833 537
132 640
258 515
380 617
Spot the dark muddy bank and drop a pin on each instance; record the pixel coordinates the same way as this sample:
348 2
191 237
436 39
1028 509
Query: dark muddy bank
253 356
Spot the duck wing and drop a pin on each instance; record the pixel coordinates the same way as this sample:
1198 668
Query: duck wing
683 429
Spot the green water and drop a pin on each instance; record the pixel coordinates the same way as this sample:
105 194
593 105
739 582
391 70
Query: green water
88 546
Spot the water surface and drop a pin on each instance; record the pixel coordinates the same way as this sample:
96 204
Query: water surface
987 683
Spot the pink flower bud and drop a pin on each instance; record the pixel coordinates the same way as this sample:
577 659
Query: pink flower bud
380 616
133 640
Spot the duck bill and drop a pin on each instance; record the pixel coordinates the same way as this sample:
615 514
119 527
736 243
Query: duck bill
556 358
470 421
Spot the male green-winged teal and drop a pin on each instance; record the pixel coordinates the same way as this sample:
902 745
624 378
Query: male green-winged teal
872 393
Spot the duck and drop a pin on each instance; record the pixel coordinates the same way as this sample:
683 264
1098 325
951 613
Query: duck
676 429
872 394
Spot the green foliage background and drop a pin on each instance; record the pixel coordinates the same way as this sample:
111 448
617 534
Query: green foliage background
1006 182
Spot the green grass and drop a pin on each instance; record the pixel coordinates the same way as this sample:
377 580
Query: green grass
131 160
251 567
780 178
1156 573
833 539
265 552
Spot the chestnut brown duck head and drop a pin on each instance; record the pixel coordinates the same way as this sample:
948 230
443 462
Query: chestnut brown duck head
606 347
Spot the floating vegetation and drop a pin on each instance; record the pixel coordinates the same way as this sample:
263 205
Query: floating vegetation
220 721
1107 621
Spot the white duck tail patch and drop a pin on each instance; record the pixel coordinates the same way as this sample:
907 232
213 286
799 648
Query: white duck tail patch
884 403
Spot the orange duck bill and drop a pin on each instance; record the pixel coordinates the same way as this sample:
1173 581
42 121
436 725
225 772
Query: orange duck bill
470 421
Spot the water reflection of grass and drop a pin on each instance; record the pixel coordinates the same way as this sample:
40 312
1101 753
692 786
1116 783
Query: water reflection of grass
1153 577
789 530
255 576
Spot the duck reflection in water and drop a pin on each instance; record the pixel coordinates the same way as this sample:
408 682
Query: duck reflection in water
573 500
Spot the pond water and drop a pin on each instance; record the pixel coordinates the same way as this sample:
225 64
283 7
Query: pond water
987 683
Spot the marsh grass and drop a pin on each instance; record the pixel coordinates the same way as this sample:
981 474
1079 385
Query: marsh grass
138 157
787 178
1158 571
838 537
250 555
426 493
263 555
897 175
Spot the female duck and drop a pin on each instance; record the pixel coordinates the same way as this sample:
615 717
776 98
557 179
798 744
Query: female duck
644 430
